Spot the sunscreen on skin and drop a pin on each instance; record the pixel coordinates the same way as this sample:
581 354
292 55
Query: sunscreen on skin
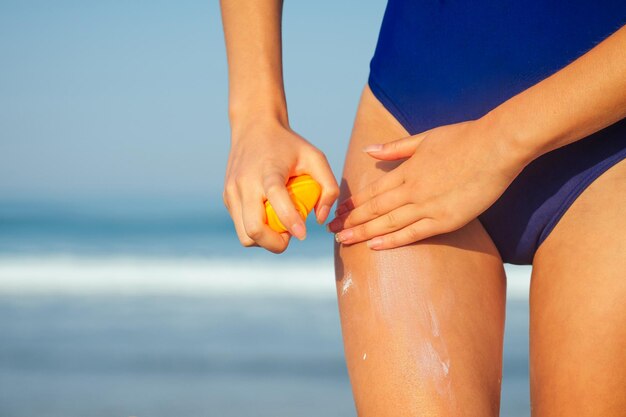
304 192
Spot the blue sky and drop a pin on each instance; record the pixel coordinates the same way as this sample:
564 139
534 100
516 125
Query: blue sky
125 99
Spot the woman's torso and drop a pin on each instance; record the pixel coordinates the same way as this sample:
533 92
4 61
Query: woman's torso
447 61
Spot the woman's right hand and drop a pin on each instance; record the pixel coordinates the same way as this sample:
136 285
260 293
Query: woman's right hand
263 156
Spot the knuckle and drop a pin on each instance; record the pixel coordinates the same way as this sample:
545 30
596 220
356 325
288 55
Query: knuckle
318 154
271 189
391 220
368 231
253 229
373 189
333 192
374 206
230 189
254 233
230 186
363 231
271 175
240 181
414 233
247 242
244 240
390 240
360 231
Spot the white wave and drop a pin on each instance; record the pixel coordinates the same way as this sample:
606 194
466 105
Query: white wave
184 276
518 281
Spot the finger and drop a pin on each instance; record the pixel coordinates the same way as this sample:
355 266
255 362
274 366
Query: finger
388 181
415 232
322 173
396 149
274 186
234 207
286 236
373 208
254 223
387 223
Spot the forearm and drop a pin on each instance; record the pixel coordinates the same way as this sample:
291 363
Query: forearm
252 32
576 101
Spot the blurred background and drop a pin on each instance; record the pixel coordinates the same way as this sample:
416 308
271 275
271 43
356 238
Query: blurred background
123 288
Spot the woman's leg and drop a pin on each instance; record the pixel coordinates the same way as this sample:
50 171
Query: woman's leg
422 324
578 308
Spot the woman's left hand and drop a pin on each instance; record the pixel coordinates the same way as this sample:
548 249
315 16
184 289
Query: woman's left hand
453 173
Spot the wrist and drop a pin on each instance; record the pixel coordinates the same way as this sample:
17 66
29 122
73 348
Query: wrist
243 123
263 100
242 113
513 141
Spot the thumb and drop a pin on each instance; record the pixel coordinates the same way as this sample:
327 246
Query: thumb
396 149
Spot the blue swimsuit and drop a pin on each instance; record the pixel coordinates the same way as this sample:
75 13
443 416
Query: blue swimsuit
439 62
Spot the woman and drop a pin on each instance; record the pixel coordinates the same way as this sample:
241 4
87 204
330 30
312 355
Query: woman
492 133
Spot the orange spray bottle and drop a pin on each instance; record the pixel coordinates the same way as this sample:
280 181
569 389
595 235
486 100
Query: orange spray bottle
304 192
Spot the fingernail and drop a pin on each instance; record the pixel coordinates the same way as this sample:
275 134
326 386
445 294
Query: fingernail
298 230
321 215
344 235
375 243
373 148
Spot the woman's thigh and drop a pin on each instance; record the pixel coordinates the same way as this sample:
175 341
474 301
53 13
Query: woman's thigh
422 324
578 313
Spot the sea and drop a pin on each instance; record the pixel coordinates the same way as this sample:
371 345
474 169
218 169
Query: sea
140 310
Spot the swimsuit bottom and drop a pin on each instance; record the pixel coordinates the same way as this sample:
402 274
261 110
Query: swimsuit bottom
440 62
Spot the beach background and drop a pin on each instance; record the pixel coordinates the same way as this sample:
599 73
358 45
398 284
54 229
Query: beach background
123 288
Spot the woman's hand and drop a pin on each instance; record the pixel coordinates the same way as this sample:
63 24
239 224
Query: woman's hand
263 155
453 173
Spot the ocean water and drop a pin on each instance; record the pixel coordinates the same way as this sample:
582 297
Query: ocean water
162 313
